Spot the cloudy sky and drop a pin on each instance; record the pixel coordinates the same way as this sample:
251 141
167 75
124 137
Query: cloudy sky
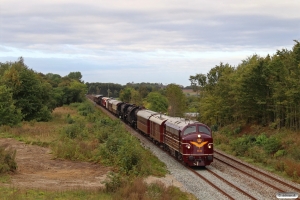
157 41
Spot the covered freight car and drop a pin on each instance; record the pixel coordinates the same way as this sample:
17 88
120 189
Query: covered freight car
143 122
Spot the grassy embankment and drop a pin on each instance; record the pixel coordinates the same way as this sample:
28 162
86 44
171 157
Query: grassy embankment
276 150
82 133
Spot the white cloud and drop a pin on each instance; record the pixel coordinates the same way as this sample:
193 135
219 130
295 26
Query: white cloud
181 37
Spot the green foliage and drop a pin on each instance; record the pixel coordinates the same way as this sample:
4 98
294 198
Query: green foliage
260 90
30 93
86 108
125 94
9 114
75 130
157 102
242 144
261 139
75 75
256 153
280 153
69 119
7 160
214 127
104 88
113 182
176 99
272 145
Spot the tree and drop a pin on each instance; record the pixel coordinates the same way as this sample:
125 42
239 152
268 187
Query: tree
30 92
136 98
75 75
125 94
9 114
198 81
176 99
157 102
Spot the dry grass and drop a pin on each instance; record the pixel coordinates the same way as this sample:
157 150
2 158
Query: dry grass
139 190
292 169
41 133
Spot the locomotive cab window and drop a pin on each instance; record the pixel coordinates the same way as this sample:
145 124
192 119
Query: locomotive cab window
203 129
189 129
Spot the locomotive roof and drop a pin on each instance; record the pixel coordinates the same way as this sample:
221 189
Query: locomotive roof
179 123
146 113
114 101
159 119
98 95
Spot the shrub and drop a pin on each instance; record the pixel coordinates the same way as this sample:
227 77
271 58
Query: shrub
257 153
279 153
237 130
279 166
220 139
272 145
292 168
241 145
214 127
113 182
85 108
261 139
7 160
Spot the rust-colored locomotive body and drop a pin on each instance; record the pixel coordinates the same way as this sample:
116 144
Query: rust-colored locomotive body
189 141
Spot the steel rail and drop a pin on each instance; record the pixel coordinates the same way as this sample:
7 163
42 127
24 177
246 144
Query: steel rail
257 171
227 182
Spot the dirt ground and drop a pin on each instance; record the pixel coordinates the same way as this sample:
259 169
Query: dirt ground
37 170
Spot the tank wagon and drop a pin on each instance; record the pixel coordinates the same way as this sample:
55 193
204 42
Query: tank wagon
189 141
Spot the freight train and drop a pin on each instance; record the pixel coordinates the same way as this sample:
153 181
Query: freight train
189 141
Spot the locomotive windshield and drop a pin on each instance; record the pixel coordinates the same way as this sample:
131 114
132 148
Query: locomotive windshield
189 129
203 129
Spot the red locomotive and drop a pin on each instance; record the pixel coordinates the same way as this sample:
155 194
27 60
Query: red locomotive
189 141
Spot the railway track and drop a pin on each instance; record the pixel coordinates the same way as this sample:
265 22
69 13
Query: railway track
269 180
218 188
225 160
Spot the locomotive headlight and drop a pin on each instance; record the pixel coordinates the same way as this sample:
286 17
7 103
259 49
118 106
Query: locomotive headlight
210 145
188 146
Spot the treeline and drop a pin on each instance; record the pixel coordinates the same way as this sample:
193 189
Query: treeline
26 95
169 99
261 90
113 89
154 96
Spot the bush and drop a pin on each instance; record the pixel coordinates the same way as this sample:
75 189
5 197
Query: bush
113 182
85 108
292 168
279 153
261 139
257 153
214 127
272 145
7 160
241 145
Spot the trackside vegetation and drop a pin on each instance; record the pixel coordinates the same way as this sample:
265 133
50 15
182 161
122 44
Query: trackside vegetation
81 132
254 110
